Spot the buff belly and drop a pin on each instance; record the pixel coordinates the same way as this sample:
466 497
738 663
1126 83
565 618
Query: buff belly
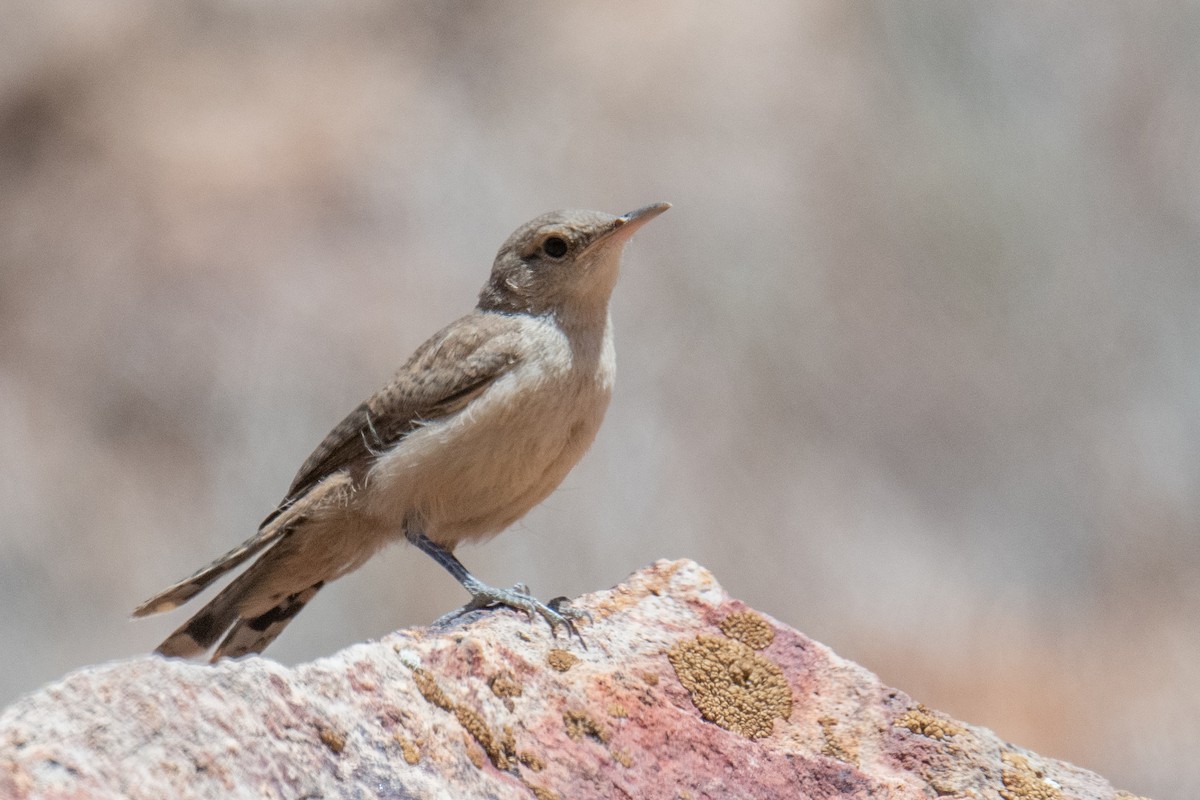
475 473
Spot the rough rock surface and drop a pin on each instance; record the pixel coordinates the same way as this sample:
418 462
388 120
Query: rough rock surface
682 692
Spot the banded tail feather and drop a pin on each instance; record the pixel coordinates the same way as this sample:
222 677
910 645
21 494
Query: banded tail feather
179 593
243 617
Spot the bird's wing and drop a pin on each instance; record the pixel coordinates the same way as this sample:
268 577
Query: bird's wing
442 377
444 374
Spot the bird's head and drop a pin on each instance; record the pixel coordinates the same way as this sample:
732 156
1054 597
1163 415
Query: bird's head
563 261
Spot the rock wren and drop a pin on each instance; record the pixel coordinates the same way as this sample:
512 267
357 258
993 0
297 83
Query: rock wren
483 422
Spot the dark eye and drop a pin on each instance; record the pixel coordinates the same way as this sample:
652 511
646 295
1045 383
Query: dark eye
555 247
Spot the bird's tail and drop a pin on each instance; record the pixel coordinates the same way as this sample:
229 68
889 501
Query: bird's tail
225 618
177 594
271 531
253 634
256 606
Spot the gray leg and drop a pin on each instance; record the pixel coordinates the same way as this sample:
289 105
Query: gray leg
484 596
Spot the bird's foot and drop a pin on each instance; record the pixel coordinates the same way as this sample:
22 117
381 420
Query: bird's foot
557 612
563 606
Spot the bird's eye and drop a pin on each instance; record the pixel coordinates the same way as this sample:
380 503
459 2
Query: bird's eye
555 247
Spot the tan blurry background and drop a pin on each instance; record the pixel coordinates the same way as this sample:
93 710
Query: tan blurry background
912 365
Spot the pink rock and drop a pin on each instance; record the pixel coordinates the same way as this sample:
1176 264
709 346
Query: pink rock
681 693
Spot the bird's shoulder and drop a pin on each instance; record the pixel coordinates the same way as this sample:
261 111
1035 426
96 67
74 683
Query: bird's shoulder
441 377
473 348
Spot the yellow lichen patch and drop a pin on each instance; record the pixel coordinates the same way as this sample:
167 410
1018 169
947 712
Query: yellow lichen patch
834 746
505 685
531 760
650 678
921 721
332 739
580 724
561 660
731 685
542 794
1023 782
622 758
617 710
748 628
473 723
430 690
943 789
500 750
408 748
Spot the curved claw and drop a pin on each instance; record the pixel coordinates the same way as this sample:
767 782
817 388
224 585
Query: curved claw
562 605
555 612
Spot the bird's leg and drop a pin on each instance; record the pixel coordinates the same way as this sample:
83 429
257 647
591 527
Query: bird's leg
483 596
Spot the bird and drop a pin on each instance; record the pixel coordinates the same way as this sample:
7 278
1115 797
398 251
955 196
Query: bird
481 424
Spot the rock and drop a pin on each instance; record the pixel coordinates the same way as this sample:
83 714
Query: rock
682 692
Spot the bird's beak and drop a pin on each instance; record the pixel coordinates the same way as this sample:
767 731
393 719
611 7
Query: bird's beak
624 226
636 219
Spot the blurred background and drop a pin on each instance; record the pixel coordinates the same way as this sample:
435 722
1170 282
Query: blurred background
913 365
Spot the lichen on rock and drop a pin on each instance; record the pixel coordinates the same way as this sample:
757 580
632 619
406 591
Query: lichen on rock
731 685
489 707
748 628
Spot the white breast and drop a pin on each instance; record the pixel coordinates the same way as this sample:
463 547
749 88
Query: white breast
473 474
